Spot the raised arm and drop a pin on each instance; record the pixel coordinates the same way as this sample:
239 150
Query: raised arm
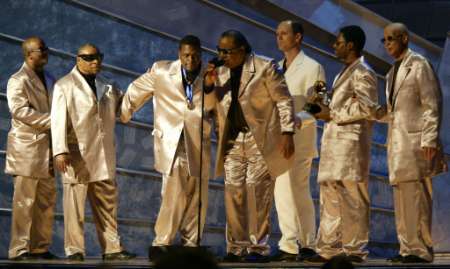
139 92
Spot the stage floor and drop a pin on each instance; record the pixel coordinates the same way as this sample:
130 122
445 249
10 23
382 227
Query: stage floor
144 263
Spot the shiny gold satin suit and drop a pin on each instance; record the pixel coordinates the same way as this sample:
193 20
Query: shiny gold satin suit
83 127
414 119
252 160
177 141
344 163
293 201
28 159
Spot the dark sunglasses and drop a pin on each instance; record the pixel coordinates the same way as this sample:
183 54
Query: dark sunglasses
225 51
41 50
390 38
91 57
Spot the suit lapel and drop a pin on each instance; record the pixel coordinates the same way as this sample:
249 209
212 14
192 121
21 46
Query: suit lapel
248 71
389 77
35 80
296 64
198 82
403 71
82 83
176 77
101 86
343 75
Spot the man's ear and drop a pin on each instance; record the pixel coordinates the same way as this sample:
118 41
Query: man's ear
350 45
405 39
298 37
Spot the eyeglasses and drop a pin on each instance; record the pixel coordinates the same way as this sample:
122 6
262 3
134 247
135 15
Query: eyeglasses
338 43
226 51
390 38
41 50
91 57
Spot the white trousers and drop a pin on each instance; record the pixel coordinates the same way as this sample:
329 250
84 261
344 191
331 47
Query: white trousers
295 207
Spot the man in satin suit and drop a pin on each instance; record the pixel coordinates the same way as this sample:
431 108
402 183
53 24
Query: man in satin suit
83 118
413 113
28 155
295 208
176 88
345 153
256 126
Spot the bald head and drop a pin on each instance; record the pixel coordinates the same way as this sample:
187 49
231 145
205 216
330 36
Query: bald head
397 28
35 53
87 47
396 40
30 44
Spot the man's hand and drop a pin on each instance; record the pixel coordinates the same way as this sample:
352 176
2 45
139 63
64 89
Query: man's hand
429 153
62 161
287 147
210 75
324 113
381 111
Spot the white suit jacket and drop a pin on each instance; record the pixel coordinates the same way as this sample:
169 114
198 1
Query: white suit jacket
300 77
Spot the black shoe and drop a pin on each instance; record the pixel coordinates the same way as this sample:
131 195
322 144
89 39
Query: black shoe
257 258
355 258
230 257
23 257
316 259
118 256
414 259
395 259
78 257
45 256
156 252
305 253
283 256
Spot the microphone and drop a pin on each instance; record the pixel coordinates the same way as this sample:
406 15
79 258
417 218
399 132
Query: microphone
217 62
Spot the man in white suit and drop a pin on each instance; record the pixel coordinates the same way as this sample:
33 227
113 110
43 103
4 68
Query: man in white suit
295 208
83 118
177 101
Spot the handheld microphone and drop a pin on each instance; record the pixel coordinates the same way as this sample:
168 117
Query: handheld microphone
217 62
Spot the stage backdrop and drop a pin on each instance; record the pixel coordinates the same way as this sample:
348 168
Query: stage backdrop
133 35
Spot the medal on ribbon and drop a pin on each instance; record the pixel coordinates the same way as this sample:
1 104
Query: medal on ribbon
189 91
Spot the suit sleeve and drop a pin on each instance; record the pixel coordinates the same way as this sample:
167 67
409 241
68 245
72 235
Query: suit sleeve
430 97
21 109
363 104
139 92
59 121
279 93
